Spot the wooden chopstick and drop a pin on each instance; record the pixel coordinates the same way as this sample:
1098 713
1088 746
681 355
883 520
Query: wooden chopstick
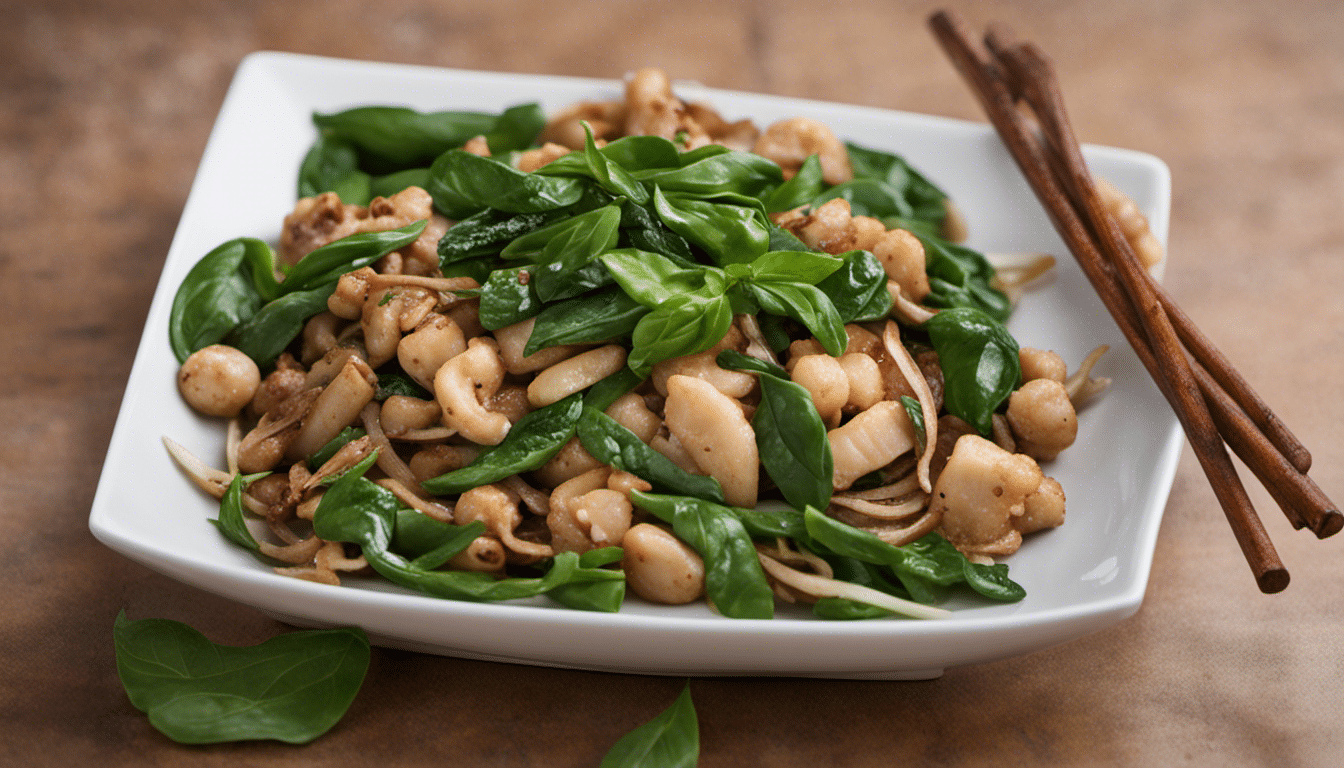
1129 298
1253 431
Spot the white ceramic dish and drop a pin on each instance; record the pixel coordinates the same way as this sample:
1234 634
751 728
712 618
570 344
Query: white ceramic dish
1082 577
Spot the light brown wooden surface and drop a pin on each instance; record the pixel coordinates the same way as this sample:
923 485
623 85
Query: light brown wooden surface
105 109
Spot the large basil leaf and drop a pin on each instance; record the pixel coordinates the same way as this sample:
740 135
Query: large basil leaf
858 289
961 277
463 184
728 233
805 186
808 305
643 230
332 165
529 444
713 170
215 297
808 267
594 317
327 263
734 581
790 435
292 688
924 199
486 233
611 443
652 279
392 183
683 325
599 166
670 740
266 334
394 138
642 153
507 297
980 363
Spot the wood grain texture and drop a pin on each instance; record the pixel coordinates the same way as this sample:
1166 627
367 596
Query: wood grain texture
105 108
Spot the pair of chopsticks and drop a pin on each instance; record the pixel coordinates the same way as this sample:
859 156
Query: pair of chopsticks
1216 406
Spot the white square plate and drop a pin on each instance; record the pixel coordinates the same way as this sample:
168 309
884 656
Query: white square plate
1084 576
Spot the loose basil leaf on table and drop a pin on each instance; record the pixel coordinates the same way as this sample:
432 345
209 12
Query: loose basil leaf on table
291 688
529 444
216 296
598 316
611 443
980 363
734 581
463 184
790 435
670 740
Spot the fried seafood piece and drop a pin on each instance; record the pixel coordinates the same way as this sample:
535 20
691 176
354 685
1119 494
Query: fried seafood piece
831 227
790 142
316 221
988 497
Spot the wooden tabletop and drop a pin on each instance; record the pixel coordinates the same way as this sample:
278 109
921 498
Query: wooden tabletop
105 108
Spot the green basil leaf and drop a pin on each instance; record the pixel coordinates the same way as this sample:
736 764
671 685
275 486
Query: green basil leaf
332 165
731 358
670 740
804 187
216 296
397 383
642 153
529 444
592 588
809 306
607 391
392 183
652 279
231 521
611 443
324 454
449 547
869 197
773 519
393 138
728 233
415 533
559 282
291 688
683 325
808 267
925 200
594 317
266 334
790 435
592 233
641 229
712 171
515 128
858 289
486 233
783 240
463 184
992 581
840 609
327 263
734 581
507 297
980 363
606 172
916 413
961 277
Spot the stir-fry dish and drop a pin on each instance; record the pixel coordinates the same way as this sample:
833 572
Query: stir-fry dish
496 356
